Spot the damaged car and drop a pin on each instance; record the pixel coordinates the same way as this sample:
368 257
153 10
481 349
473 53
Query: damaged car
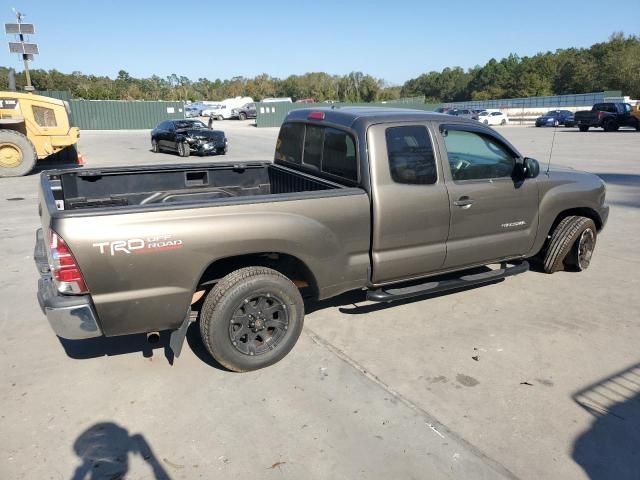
188 136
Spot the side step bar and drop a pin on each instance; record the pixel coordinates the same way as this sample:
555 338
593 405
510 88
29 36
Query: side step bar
437 286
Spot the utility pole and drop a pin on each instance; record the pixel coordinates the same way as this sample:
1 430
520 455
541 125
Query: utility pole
25 57
22 47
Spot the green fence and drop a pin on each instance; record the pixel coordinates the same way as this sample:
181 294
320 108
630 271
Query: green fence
59 94
122 114
273 114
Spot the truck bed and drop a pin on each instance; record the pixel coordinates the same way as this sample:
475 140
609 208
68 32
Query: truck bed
184 184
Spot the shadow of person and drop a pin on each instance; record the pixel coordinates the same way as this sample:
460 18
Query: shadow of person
610 448
104 450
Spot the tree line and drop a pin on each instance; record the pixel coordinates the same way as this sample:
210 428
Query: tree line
610 65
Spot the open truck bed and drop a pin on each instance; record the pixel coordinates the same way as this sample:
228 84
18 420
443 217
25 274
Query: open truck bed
171 185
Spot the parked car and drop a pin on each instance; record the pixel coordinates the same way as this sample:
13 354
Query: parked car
186 136
306 100
442 109
609 115
493 118
553 118
190 111
248 110
464 113
337 210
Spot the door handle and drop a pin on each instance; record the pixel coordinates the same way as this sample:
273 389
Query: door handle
463 202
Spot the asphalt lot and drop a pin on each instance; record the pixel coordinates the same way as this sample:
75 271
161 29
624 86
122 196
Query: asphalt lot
370 391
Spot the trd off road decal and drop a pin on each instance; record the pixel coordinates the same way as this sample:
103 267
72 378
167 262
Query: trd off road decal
158 243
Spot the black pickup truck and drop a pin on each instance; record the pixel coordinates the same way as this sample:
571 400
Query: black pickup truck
609 116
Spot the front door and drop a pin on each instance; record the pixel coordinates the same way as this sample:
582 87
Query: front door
410 208
493 214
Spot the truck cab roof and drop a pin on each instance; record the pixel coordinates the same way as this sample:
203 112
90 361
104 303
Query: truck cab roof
364 116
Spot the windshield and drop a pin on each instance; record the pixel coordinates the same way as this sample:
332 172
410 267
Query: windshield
190 124
551 113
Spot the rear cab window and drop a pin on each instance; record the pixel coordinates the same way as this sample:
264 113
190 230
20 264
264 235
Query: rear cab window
318 149
410 154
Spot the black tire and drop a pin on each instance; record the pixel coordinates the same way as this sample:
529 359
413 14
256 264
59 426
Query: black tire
610 126
564 241
503 122
183 149
223 151
583 128
17 154
220 118
242 116
155 147
229 297
486 122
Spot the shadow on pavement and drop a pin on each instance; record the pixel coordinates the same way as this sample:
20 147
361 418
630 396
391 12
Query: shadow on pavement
121 345
624 197
622 179
104 450
610 448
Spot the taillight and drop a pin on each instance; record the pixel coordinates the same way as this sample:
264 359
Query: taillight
316 116
64 269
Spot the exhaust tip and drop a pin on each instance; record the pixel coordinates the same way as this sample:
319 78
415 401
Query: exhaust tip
153 337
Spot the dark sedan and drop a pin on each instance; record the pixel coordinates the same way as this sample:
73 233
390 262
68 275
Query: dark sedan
553 118
186 136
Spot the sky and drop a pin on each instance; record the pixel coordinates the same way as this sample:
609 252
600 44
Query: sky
394 40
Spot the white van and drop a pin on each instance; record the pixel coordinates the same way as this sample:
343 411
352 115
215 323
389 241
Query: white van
222 111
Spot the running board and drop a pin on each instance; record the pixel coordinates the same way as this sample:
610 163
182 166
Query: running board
430 287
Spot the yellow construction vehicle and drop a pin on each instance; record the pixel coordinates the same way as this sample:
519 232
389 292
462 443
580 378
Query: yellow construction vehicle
32 128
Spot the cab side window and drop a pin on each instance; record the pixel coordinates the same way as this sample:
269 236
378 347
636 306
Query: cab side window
476 156
411 158
44 117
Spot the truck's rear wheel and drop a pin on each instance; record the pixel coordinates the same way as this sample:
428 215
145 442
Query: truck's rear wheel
251 319
572 243
17 154
242 116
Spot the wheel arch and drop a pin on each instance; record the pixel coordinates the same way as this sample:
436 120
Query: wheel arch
288 265
580 212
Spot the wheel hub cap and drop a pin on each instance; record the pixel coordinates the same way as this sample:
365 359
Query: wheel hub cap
10 155
259 324
585 248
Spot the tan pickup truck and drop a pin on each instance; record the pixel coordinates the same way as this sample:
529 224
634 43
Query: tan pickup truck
385 200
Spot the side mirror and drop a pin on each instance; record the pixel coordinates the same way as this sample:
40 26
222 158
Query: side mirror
531 167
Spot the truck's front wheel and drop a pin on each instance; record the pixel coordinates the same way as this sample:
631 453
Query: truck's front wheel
251 319
572 243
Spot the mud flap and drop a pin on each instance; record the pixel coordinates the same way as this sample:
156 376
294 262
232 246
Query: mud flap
176 340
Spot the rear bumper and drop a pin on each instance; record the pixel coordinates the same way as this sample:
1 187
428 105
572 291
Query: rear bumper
70 316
